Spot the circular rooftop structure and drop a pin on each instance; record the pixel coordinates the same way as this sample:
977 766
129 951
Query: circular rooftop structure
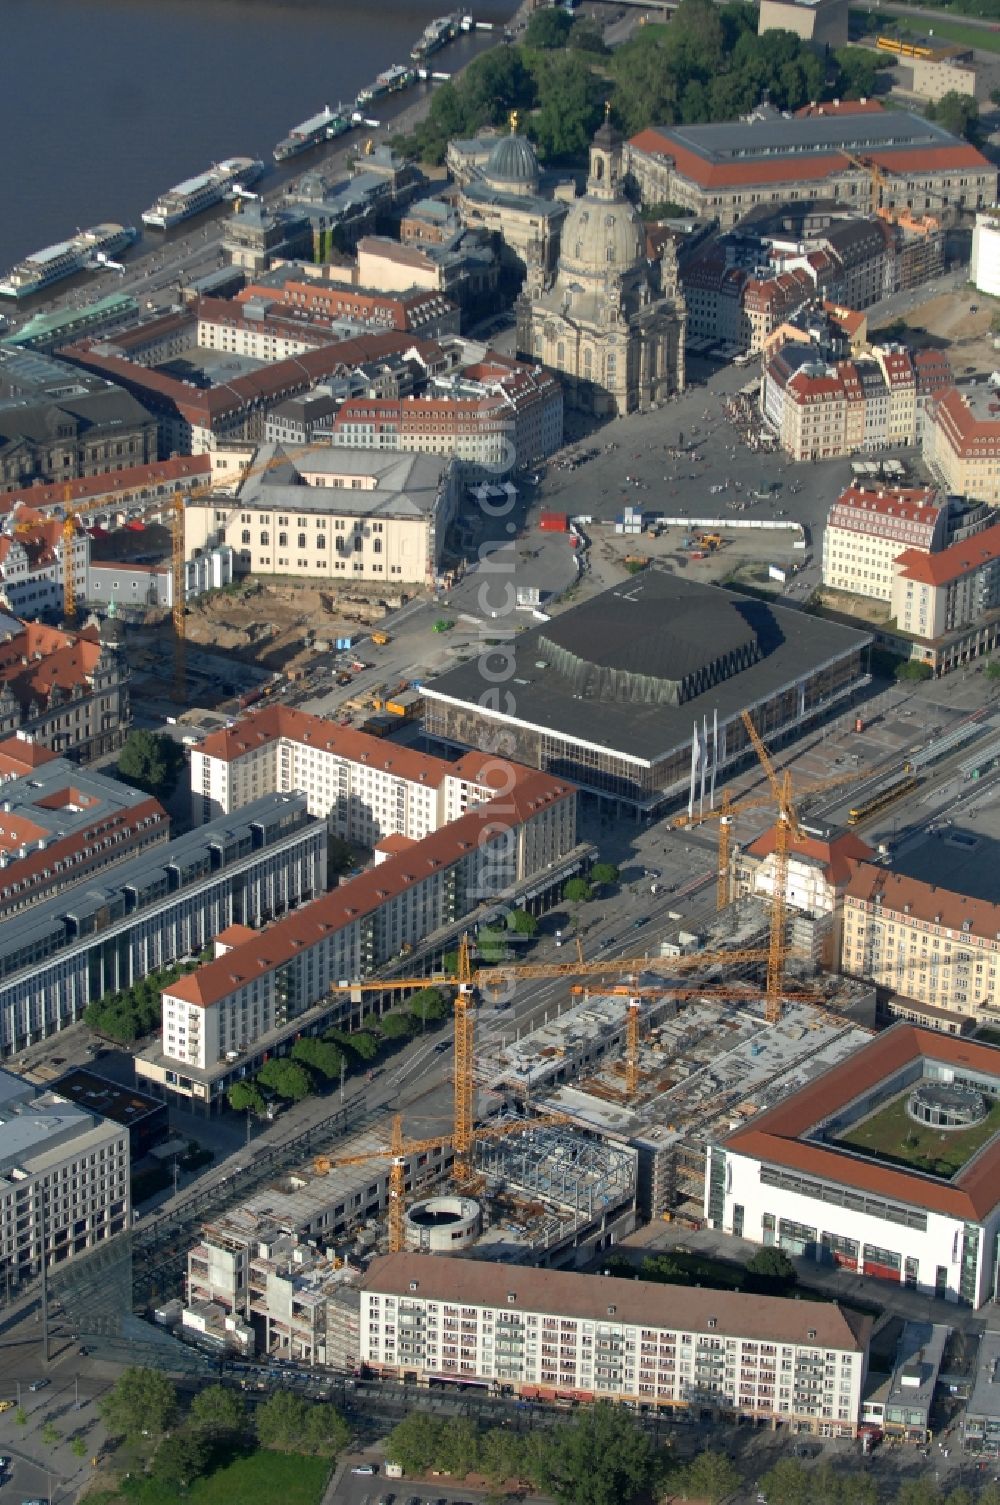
649 649
947 1105
601 238
440 1225
512 165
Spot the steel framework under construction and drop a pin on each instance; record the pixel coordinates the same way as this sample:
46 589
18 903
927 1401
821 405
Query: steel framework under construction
561 1167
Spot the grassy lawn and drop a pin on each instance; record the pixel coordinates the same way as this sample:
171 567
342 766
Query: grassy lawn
260 1479
951 31
895 1136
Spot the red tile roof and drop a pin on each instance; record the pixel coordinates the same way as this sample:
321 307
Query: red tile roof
927 901
110 838
567 1293
18 756
114 485
775 1136
64 659
801 167
366 894
234 935
912 504
259 728
969 436
840 107
838 856
953 562
205 406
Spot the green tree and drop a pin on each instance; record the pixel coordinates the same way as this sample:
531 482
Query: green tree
325 1430
362 1043
772 1263
280 1421
577 891
289 1422
522 922
600 1458
857 71
502 1456
179 1460
910 669
458 1450
826 1485
548 29
218 1411
919 1491
603 873
151 761
959 1496
958 113
50 1434
787 1483
491 944
587 36
322 1055
245 1097
427 1006
709 1476
855 1488
396 1026
286 1078
993 669
21 1416
572 103
339 859
78 1447
416 1442
142 1400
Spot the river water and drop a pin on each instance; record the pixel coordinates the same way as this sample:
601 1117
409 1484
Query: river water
105 103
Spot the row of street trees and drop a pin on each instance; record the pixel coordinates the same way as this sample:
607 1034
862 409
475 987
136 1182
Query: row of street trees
315 1063
600 1457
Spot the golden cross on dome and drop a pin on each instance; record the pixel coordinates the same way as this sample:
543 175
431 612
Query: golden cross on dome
513 122
607 109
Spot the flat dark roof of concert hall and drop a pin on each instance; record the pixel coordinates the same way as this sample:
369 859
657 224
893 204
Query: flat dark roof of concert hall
632 668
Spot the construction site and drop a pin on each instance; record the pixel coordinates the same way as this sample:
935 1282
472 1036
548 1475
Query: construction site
563 1134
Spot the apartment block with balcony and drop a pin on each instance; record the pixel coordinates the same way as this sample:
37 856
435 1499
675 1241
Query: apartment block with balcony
546 1334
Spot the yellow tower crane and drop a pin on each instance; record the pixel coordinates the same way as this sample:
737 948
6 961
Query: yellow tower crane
729 808
786 830
633 1021
399 1149
467 979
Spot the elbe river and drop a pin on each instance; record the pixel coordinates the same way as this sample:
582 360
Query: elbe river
106 103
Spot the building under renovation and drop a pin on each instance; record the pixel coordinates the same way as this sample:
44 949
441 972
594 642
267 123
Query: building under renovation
707 1066
273 1277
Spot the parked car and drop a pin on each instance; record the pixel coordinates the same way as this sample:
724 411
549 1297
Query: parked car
363 1468
39 1384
